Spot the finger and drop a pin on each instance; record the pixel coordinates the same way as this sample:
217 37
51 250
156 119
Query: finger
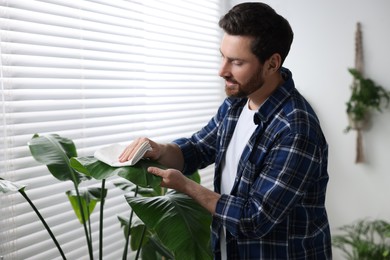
156 171
130 150
125 155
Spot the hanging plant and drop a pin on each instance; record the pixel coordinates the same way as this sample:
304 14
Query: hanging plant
366 96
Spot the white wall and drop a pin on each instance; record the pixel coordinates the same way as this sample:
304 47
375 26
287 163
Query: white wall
323 49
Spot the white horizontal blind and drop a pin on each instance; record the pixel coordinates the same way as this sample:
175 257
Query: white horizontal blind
98 72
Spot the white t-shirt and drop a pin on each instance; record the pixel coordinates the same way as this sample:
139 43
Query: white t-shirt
243 131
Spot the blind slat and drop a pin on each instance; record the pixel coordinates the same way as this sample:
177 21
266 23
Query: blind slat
98 72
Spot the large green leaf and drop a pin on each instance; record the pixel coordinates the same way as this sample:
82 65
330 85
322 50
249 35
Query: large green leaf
94 168
139 175
7 186
181 224
136 174
88 197
155 250
54 151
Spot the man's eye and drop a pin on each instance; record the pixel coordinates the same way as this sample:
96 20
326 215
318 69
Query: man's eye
237 62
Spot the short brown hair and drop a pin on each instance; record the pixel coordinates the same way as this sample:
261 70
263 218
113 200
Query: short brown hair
271 32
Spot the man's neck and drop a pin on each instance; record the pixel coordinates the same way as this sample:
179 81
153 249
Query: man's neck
257 98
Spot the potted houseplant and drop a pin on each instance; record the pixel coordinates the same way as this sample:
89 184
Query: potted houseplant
364 240
366 96
163 230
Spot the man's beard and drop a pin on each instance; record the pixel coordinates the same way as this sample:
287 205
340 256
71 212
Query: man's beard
240 91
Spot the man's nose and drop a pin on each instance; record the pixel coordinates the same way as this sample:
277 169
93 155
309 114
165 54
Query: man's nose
224 69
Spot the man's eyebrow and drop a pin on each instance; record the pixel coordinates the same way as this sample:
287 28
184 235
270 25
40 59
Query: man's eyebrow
231 58
221 53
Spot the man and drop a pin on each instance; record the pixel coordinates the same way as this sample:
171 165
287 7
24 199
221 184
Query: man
269 151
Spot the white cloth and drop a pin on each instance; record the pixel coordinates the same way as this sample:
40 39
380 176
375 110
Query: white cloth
110 154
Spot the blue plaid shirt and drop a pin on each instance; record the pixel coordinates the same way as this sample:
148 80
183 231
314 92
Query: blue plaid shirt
276 207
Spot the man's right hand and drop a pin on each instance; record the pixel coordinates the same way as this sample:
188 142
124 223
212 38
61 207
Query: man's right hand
153 154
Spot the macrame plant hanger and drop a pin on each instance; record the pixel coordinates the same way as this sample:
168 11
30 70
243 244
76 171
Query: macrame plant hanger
359 67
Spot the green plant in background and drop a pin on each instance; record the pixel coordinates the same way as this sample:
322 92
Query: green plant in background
365 97
364 240
170 225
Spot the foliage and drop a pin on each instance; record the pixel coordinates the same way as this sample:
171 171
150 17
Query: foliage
89 198
365 96
55 152
182 218
173 214
364 240
173 225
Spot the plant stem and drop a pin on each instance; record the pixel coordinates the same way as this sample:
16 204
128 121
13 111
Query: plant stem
101 220
89 218
140 242
21 191
87 237
124 257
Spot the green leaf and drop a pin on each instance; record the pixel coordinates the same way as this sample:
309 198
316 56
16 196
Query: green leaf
7 186
158 248
125 185
363 239
148 192
136 174
94 168
195 177
89 197
54 151
149 252
139 175
128 186
137 228
124 224
181 224
366 96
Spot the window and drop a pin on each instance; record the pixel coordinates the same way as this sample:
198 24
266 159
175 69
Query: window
98 72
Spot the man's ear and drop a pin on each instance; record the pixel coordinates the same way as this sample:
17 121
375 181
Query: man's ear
274 63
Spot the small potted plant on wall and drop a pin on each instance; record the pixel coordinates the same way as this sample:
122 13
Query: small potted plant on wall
366 96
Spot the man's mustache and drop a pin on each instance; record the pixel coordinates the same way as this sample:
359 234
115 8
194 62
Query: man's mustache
230 80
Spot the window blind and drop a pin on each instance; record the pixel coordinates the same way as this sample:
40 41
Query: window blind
98 72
